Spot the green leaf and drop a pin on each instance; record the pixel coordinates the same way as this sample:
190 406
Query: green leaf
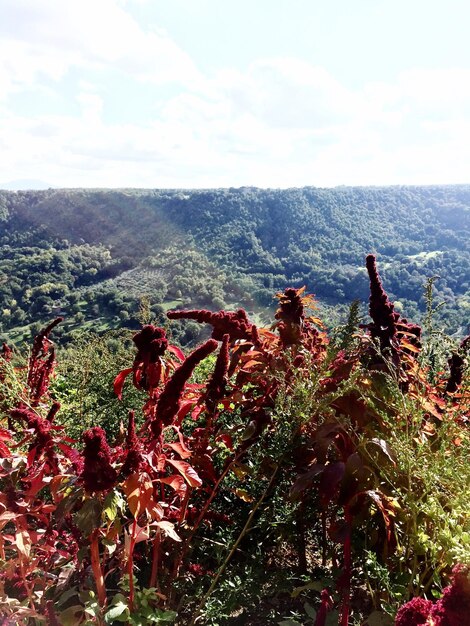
311 612
67 503
118 612
289 622
317 585
112 503
378 618
71 616
332 618
89 516
166 616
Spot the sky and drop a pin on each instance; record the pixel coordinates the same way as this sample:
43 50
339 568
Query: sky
219 93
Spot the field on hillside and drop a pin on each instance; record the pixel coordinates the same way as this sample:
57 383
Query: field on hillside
92 255
279 475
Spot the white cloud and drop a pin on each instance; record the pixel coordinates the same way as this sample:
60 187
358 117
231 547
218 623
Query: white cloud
53 36
279 122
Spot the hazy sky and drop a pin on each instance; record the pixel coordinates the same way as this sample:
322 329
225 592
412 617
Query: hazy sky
206 93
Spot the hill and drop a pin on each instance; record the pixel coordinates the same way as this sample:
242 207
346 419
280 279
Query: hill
91 254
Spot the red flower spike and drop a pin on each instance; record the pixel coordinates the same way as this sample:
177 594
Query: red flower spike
414 613
218 381
98 474
151 344
453 609
292 324
51 615
41 363
387 326
133 447
169 400
43 443
325 606
53 411
457 365
233 323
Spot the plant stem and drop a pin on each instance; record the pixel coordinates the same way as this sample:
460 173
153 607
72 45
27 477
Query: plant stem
347 569
130 566
155 555
201 515
243 532
96 567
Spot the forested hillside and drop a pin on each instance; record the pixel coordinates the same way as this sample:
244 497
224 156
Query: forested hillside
91 255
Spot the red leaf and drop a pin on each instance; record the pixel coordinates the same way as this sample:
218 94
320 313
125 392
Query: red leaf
23 542
331 477
187 471
139 490
180 448
161 462
4 451
184 410
177 352
205 467
5 435
31 456
226 440
7 516
196 412
119 381
305 481
177 483
35 483
386 449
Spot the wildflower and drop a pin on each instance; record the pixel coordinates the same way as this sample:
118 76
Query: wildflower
43 441
133 449
98 474
6 353
233 323
457 365
293 325
381 310
414 612
325 606
168 402
196 569
151 344
41 362
51 615
217 383
453 609
53 411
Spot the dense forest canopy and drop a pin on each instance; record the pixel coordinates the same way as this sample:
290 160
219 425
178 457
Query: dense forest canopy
92 254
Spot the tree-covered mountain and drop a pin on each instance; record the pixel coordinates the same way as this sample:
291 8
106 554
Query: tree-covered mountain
92 254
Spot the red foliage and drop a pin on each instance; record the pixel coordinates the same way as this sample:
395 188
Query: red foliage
41 363
414 613
149 498
232 323
98 474
133 459
453 609
217 383
170 398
